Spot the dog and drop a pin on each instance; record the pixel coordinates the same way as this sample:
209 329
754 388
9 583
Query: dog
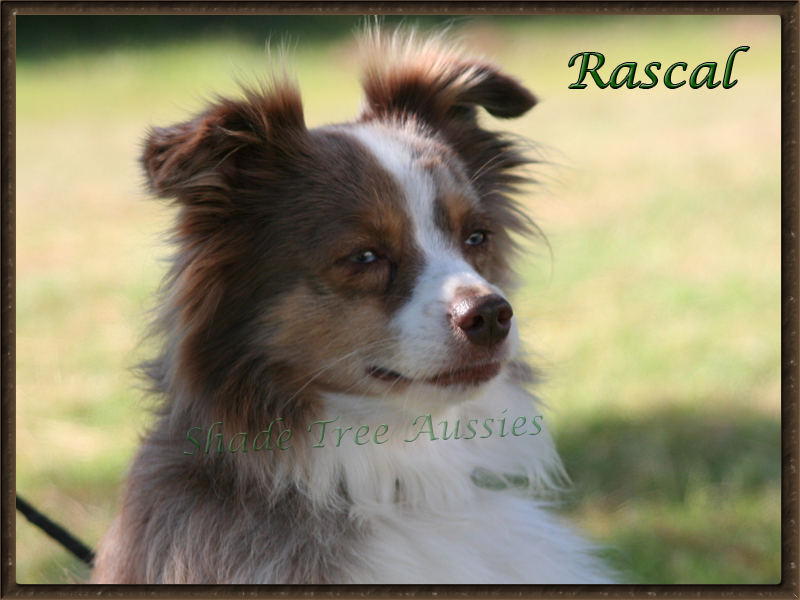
340 401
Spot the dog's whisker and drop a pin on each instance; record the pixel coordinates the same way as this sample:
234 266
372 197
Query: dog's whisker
324 369
484 168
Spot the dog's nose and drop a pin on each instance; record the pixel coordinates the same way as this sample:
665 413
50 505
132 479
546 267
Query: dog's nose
485 320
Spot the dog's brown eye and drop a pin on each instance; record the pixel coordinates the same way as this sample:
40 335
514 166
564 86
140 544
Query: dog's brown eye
364 257
476 238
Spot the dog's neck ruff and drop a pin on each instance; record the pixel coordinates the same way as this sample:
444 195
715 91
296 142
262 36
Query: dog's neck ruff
420 472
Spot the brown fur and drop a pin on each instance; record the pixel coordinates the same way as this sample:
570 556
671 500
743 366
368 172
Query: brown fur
260 297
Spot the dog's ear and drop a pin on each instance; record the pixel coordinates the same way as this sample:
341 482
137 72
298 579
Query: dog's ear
200 159
404 77
501 95
410 77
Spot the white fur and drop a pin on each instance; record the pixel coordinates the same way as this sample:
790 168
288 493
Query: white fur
442 527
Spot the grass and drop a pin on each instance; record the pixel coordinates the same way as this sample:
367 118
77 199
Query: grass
656 321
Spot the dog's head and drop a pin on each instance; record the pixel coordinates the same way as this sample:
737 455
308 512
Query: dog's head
367 258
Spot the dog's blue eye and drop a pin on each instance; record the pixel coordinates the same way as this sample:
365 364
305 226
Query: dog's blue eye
476 238
364 257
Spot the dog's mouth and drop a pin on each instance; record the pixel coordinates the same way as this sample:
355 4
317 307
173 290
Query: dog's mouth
471 375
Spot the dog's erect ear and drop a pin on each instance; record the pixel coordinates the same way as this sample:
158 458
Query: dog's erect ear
192 160
404 77
409 77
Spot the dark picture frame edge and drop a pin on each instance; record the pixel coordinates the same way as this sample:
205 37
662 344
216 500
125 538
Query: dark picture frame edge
790 190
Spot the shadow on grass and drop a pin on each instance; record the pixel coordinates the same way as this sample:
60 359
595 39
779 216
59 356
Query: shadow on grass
669 452
680 495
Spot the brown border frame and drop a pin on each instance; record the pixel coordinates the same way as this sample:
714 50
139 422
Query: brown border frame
790 155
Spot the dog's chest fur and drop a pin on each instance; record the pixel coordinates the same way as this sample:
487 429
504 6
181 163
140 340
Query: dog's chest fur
494 539
423 517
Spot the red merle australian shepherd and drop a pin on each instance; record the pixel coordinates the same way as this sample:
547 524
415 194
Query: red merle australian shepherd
340 401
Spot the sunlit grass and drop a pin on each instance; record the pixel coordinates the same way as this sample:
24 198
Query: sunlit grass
657 321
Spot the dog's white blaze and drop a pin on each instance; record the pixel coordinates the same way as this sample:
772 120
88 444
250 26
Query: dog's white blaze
422 325
419 187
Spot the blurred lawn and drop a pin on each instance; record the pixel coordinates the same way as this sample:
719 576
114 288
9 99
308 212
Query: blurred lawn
657 320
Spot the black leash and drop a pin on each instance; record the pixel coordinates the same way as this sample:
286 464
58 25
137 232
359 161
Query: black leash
55 531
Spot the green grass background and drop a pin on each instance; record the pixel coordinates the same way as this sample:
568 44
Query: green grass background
656 320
